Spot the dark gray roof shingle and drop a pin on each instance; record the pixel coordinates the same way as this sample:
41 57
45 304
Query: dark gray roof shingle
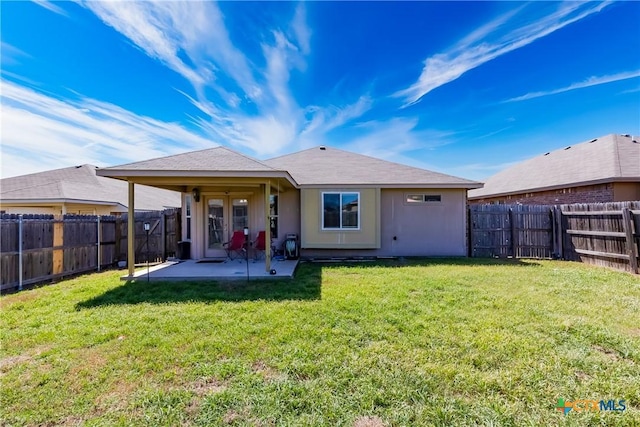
80 183
609 158
211 159
332 166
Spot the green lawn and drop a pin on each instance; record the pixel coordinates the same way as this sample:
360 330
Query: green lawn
437 342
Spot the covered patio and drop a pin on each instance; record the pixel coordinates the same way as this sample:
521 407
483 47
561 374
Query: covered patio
216 270
224 194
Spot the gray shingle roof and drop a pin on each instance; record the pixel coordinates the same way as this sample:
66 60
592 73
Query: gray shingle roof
80 184
332 166
605 159
211 159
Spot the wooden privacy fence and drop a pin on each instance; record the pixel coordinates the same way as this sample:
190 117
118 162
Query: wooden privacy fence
519 231
605 234
37 248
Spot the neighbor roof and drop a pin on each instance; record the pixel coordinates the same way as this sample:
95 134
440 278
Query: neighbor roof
606 159
332 166
79 184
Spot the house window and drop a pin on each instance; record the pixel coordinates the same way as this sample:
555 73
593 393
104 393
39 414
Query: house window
340 211
187 207
423 198
273 215
240 214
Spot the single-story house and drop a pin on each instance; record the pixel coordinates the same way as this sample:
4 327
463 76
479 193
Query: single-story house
337 202
77 190
605 169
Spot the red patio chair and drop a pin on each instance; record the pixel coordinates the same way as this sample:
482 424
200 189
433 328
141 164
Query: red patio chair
236 247
259 245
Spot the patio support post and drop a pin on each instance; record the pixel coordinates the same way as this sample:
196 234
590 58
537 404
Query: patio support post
267 227
131 233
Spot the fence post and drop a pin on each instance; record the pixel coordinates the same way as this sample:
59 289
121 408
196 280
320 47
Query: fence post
20 252
470 231
99 239
513 233
163 234
58 245
556 218
627 222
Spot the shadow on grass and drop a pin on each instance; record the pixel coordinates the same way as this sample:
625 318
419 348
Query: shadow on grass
305 287
429 262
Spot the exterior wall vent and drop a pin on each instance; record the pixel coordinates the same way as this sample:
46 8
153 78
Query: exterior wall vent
322 147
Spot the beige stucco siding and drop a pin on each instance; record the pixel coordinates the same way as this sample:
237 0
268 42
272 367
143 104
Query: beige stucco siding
366 237
288 215
429 229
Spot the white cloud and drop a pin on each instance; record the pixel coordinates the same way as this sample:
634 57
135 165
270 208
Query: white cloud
634 90
301 30
11 54
160 29
49 5
191 38
482 171
39 132
591 81
492 40
396 139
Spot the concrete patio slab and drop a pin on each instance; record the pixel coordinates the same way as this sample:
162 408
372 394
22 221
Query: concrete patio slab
212 270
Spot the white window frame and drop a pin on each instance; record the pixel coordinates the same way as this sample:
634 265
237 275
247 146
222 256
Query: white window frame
340 228
188 213
424 200
272 216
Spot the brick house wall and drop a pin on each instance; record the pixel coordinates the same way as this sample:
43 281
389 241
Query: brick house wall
600 193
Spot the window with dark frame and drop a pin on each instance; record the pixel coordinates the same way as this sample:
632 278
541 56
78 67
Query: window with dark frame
423 198
187 215
273 215
340 211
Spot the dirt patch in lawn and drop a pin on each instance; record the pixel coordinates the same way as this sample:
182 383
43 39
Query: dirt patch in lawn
267 372
204 386
7 363
611 354
369 422
582 376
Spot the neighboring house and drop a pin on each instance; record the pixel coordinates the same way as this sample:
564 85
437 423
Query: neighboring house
339 203
77 190
605 169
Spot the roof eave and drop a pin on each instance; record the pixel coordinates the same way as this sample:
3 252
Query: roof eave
37 202
465 186
128 174
556 187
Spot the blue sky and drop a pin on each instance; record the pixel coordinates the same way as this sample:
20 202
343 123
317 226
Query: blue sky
465 88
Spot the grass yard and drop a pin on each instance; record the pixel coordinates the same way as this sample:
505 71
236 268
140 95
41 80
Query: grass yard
435 342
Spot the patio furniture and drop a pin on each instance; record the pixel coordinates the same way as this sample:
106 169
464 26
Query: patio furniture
236 247
259 246
291 249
